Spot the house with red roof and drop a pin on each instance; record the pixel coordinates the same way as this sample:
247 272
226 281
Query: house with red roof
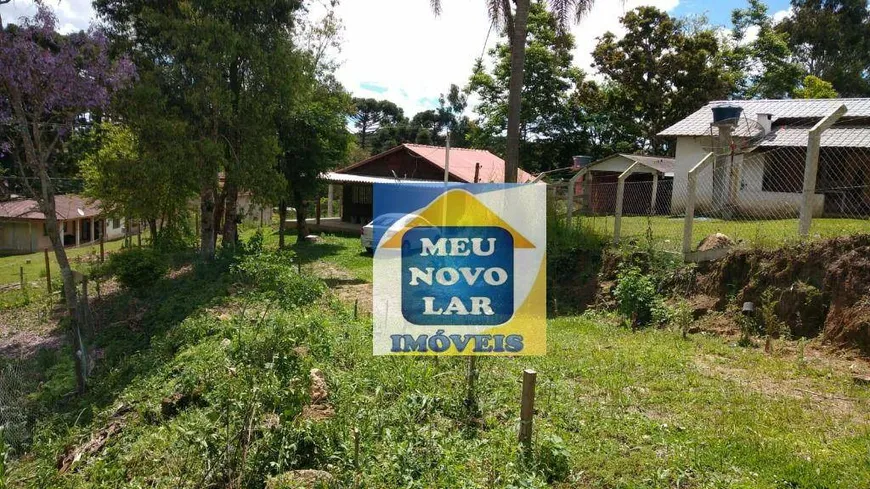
409 163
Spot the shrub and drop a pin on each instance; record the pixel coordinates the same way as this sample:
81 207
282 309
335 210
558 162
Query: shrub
770 322
137 268
272 276
681 317
637 297
553 459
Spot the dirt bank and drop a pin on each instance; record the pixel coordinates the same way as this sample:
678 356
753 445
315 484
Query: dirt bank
814 289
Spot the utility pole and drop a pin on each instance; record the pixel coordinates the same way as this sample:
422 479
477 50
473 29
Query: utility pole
447 159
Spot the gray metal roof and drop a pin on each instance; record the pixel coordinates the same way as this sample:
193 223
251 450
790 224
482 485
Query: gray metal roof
843 137
650 164
658 163
698 124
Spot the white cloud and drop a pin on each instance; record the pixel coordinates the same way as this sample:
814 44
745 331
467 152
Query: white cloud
783 14
751 34
400 45
72 15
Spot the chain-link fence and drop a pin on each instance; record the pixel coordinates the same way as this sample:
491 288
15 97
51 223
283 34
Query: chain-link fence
807 182
13 412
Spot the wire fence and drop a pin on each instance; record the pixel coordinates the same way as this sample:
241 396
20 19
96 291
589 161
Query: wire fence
787 189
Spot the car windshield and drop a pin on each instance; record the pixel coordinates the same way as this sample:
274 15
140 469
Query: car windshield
387 220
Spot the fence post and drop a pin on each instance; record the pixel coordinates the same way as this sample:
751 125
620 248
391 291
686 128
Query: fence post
655 191
527 408
620 194
569 200
330 194
587 203
317 212
811 169
551 199
47 271
21 276
470 378
691 188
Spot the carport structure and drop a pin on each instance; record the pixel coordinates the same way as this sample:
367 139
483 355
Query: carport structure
601 185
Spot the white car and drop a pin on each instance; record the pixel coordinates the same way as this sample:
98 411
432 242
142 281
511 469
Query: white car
383 223
367 235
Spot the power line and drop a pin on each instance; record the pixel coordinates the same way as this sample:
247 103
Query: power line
13 177
486 41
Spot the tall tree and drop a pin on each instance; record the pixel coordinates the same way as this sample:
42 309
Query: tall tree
314 139
663 72
418 130
51 84
218 65
451 115
513 16
831 38
767 61
371 114
311 120
547 110
133 181
602 129
428 126
815 87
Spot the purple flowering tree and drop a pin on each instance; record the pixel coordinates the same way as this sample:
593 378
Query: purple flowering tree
50 84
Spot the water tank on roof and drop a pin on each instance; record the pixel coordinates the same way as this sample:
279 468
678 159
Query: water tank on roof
726 113
581 161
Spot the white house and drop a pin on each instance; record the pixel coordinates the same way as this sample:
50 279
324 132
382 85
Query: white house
768 180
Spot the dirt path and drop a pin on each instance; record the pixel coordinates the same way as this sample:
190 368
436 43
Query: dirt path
26 330
843 406
345 285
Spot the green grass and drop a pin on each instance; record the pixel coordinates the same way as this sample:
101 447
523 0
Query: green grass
34 263
667 232
342 250
640 409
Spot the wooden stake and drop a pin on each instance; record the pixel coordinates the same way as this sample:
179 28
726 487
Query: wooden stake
527 408
355 308
356 448
47 271
21 276
470 378
103 240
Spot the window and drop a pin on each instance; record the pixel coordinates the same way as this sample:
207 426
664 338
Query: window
362 194
783 173
116 223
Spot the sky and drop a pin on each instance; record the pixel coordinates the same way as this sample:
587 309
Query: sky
398 50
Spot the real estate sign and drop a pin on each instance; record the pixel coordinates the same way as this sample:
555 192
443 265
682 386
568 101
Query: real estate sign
459 269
